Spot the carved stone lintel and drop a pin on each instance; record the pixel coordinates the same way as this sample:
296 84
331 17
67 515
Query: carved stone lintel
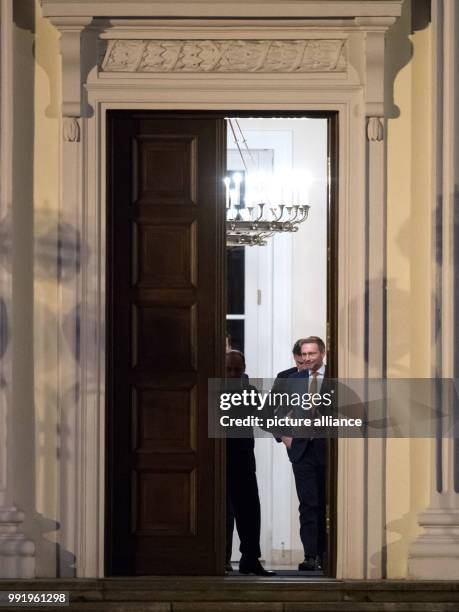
297 56
71 129
375 129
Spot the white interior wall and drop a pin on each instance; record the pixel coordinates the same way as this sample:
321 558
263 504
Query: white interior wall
290 276
298 293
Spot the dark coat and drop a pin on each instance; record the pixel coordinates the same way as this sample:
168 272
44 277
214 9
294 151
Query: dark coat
287 373
299 445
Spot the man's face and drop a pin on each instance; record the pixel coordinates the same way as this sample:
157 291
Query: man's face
234 366
312 356
299 362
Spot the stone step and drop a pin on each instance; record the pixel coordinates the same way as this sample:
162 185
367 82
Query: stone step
246 594
265 607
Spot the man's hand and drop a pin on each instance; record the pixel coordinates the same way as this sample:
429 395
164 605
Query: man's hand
287 441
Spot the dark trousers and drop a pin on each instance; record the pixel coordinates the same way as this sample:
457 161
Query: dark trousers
242 502
309 474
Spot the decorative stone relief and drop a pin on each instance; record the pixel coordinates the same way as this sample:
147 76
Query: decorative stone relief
299 56
375 129
71 129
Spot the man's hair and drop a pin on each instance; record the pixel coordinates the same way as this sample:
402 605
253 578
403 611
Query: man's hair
296 350
236 352
314 340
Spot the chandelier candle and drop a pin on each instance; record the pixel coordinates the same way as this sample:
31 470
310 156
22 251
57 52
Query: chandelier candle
259 204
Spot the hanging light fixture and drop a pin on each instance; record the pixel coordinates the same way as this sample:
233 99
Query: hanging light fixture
260 204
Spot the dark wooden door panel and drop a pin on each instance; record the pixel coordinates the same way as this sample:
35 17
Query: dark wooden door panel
166 336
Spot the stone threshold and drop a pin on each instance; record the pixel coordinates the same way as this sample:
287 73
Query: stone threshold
246 594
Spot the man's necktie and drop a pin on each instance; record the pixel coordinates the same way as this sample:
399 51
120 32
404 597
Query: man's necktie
313 386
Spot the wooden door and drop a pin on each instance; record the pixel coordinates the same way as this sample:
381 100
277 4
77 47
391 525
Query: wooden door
165 264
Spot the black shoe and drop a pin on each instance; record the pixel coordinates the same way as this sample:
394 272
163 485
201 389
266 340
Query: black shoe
310 564
253 566
228 567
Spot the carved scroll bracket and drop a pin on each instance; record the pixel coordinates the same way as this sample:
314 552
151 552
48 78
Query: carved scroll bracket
71 29
374 29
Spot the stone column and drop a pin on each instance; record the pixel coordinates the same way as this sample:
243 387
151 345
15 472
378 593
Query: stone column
17 553
435 553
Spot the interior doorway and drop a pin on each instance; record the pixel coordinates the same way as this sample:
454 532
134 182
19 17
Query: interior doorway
280 292
166 313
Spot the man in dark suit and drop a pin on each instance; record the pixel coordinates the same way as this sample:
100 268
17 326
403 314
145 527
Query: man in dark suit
281 384
299 364
242 500
309 457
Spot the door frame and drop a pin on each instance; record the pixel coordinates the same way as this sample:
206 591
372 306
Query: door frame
347 448
355 91
331 340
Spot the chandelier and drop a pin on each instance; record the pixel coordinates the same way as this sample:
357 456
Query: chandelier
260 204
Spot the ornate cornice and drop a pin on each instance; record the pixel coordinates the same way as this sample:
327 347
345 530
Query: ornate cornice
223 8
297 56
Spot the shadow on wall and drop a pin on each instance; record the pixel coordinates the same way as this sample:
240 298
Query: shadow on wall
406 529
41 529
39 253
59 259
58 253
399 49
403 302
400 347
